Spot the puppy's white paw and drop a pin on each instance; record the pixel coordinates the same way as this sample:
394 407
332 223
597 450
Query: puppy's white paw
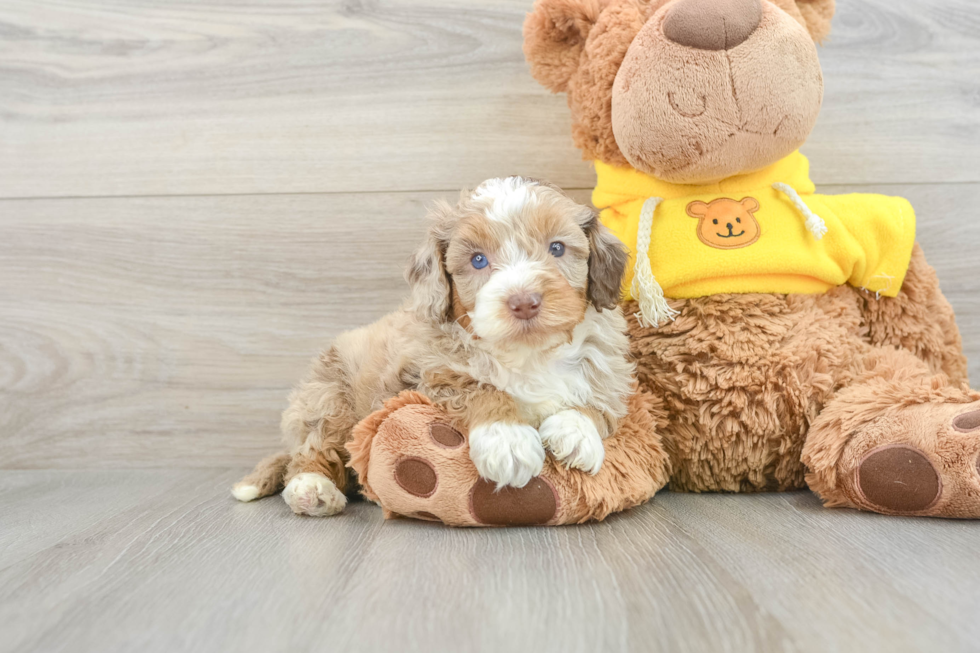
508 454
313 494
573 439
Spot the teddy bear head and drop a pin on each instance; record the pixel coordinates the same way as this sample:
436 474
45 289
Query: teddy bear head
689 91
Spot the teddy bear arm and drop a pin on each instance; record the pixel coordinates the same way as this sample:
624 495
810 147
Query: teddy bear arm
413 459
919 319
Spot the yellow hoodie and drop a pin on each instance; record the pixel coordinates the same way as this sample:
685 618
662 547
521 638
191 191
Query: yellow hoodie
764 232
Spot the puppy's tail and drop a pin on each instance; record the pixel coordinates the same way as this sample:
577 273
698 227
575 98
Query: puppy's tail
267 478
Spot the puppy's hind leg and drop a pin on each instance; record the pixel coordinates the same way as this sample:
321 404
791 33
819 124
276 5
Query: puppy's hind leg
318 424
311 489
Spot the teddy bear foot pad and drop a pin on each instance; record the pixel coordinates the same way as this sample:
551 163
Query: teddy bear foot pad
936 471
432 478
534 504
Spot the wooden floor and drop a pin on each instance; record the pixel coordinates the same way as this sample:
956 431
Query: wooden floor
162 560
196 195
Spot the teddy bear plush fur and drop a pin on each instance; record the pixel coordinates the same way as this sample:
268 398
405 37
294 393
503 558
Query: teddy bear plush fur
860 397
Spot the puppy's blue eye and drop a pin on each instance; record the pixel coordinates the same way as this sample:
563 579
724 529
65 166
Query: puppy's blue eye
556 249
479 261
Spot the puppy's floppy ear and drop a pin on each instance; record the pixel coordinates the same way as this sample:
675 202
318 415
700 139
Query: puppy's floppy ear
554 35
426 273
607 265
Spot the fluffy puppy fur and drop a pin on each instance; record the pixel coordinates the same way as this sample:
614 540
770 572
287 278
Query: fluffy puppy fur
512 326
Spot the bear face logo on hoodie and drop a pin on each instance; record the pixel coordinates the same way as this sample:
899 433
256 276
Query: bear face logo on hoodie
725 223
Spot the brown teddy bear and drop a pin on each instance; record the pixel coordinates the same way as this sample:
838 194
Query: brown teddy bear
784 340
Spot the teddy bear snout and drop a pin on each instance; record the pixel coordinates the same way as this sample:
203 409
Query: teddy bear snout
712 24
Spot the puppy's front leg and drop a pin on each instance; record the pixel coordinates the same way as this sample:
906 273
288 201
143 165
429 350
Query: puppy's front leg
575 437
504 448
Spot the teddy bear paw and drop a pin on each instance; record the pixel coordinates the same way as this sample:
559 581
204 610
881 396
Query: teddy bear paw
421 467
931 469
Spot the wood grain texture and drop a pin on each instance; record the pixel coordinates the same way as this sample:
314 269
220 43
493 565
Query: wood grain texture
153 329
165 560
167 331
115 97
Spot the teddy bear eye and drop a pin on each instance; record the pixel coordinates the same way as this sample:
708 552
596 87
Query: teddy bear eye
738 220
556 248
715 221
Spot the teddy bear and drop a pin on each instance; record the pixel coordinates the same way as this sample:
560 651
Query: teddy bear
783 339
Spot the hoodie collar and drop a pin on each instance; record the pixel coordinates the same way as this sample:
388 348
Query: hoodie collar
623 183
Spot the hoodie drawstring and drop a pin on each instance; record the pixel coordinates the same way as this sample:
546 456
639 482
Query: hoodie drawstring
814 222
654 309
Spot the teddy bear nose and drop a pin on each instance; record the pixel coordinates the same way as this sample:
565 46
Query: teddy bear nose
712 24
524 305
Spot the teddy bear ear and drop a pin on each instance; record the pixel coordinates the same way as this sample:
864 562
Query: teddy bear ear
816 17
554 35
750 204
697 209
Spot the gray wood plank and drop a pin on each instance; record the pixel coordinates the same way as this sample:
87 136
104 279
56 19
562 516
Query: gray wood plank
52 509
837 568
99 97
167 331
175 324
187 568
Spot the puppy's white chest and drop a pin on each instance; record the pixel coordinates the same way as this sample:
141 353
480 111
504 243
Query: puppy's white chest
547 389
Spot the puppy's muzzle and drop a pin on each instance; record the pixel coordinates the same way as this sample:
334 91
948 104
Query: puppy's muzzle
524 306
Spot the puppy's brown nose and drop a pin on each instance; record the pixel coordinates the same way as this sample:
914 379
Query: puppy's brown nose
524 305
712 24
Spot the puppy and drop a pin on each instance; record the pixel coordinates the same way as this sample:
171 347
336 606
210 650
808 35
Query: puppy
512 326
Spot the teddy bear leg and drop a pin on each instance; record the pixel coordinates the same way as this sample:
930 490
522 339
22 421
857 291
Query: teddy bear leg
899 441
414 461
920 320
